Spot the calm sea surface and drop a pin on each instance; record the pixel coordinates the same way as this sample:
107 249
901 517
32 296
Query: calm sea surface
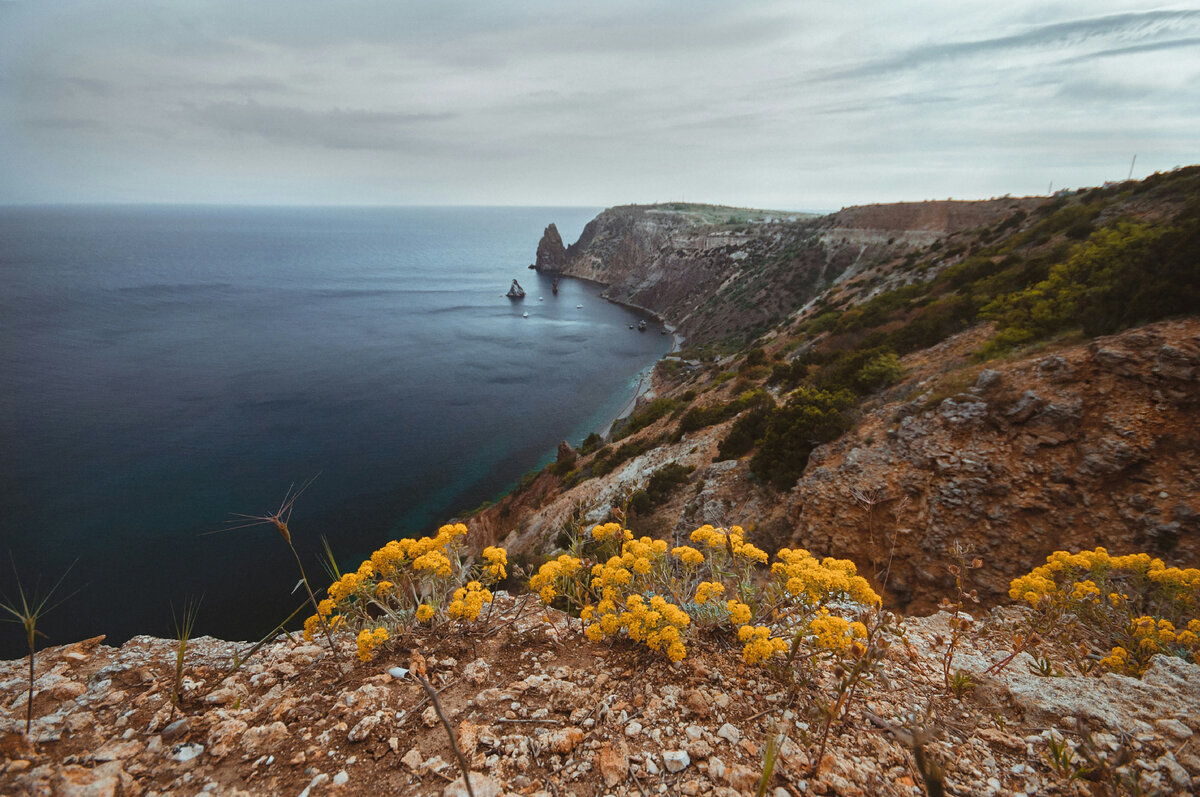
164 368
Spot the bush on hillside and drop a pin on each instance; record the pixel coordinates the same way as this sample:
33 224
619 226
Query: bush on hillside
809 418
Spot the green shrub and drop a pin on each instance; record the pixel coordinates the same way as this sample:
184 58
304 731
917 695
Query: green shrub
881 371
658 408
809 418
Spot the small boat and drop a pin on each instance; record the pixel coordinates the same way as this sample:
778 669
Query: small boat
579 307
515 291
524 315
642 325
631 326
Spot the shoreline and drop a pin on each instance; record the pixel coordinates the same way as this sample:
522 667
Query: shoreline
646 375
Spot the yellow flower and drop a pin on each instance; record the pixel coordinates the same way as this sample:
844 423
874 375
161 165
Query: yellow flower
425 613
310 627
496 558
739 613
688 555
707 590
368 641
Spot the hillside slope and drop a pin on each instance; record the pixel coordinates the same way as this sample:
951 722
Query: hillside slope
967 395
727 274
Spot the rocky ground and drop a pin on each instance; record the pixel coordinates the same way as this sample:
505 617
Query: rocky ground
538 710
1075 445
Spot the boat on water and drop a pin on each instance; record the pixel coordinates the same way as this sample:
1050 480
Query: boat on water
515 291
642 325
524 315
579 307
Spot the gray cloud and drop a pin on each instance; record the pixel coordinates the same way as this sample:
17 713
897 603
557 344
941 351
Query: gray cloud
766 102
1114 27
334 129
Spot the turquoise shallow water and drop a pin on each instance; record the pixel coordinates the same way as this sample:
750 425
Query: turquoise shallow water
163 368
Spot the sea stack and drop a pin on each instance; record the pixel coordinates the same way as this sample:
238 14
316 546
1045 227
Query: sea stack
515 291
551 254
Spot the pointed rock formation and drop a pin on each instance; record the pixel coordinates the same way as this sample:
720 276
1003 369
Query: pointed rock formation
551 254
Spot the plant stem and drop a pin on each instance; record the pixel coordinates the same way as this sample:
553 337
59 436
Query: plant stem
437 707
313 599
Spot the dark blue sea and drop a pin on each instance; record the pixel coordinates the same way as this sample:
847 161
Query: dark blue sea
162 368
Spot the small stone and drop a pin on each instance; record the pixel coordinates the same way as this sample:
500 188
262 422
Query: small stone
264 739
19 765
394 743
481 786
729 733
633 729
676 760
186 752
613 762
690 787
716 767
223 696
696 702
412 759
563 740
117 751
363 729
66 690
399 673
1175 728
176 730
429 717
742 778
477 672
341 778
105 780
694 731
1178 775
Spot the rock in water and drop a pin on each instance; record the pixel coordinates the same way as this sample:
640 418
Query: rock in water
515 291
551 254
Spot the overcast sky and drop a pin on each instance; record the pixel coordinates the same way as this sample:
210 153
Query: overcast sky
797 105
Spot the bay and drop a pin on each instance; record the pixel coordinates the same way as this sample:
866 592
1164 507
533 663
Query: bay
162 368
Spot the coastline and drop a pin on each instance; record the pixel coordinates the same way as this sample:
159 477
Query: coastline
645 386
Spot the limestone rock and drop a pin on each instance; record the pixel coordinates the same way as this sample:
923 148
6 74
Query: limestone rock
613 762
551 254
481 785
676 760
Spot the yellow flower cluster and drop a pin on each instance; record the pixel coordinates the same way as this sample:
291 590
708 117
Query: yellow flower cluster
1149 637
739 613
551 575
1064 571
759 645
706 590
659 625
835 634
815 582
611 531
688 555
496 559
392 559
732 541
368 641
405 581
1075 582
468 601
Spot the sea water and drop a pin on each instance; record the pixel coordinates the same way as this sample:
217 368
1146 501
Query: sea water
163 369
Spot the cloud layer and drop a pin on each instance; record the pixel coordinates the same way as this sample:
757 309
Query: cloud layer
781 104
